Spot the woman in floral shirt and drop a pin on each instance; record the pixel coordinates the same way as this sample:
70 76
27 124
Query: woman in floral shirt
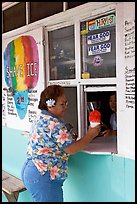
49 147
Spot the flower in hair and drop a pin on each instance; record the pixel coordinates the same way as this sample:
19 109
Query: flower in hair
50 102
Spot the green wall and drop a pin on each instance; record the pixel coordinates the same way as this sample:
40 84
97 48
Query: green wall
91 178
100 178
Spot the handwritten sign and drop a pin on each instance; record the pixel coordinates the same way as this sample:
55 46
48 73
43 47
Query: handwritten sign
10 104
32 106
4 107
130 87
129 38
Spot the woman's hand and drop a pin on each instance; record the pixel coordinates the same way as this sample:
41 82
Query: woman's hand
74 136
80 144
93 132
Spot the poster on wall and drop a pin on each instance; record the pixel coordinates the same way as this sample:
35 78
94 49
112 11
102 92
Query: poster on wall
22 78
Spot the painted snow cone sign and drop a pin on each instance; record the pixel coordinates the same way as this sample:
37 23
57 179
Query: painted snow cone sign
21 70
94 118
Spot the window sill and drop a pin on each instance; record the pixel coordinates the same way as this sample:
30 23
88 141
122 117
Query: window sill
102 145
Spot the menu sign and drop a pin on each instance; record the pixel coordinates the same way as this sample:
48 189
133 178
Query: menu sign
129 36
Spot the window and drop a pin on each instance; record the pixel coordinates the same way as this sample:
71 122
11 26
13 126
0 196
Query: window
98 60
71 94
98 98
40 10
36 11
62 53
14 17
98 46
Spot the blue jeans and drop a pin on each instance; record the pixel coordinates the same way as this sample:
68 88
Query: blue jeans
41 188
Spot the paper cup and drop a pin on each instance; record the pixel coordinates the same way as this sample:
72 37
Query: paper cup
94 124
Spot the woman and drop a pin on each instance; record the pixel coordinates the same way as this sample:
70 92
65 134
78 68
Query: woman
49 147
112 130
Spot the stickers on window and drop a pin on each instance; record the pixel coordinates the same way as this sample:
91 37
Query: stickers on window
97 61
84 28
100 37
99 23
102 22
99 49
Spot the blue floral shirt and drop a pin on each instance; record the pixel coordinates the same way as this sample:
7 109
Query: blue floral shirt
48 137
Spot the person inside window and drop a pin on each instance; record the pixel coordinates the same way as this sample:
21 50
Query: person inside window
112 128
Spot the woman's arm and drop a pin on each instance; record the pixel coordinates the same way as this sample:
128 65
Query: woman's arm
81 143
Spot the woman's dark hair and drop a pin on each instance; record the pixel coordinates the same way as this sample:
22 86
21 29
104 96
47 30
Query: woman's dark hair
112 93
51 92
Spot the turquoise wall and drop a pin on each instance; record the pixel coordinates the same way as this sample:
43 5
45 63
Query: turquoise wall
100 178
91 178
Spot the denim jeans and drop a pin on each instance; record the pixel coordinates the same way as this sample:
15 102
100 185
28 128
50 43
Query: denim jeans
41 188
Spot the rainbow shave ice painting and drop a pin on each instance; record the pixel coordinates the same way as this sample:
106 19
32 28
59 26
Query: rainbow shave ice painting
21 70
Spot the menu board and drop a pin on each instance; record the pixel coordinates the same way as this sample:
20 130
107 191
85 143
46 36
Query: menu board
98 47
129 37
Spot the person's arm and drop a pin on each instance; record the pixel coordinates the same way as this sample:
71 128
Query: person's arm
81 143
109 132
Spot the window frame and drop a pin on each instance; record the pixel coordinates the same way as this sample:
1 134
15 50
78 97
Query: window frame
80 83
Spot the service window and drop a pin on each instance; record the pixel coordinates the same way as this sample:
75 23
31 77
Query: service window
98 98
61 53
98 47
